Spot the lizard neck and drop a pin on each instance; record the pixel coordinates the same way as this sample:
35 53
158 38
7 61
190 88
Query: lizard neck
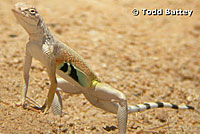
41 33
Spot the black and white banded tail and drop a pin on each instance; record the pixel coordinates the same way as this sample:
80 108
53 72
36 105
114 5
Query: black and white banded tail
146 106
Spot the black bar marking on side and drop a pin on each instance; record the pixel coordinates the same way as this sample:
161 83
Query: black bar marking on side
73 73
64 68
148 106
160 104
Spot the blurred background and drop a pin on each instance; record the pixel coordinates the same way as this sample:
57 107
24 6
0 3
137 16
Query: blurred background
148 58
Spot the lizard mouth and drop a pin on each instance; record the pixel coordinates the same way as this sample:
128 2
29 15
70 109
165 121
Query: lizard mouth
20 15
17 12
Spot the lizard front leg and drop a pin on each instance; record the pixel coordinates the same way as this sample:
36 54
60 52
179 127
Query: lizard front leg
51 70
27 66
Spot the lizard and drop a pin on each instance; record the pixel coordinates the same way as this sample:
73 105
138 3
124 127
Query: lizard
76 76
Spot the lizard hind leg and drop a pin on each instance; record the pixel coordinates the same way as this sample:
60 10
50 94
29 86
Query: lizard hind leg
56 106
109 95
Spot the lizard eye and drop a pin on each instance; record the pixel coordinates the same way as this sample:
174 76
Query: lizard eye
32 11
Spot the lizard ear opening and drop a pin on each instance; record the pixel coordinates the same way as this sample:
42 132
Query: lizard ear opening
39 23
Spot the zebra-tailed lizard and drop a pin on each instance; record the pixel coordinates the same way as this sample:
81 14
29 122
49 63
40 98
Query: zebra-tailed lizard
76 76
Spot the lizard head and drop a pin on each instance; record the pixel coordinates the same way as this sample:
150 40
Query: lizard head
27 16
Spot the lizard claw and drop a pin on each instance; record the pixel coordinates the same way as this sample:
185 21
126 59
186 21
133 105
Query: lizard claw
21 104
18 104
45 111
44 108
25 106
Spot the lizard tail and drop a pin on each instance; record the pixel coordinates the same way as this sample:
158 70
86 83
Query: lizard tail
146 106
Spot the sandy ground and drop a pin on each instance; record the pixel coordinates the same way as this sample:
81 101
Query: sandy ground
148 58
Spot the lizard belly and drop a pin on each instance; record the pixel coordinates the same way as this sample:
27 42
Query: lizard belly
67 78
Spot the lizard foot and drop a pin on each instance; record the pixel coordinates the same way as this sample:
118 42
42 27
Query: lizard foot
25 103
30 104
31 101
44 108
